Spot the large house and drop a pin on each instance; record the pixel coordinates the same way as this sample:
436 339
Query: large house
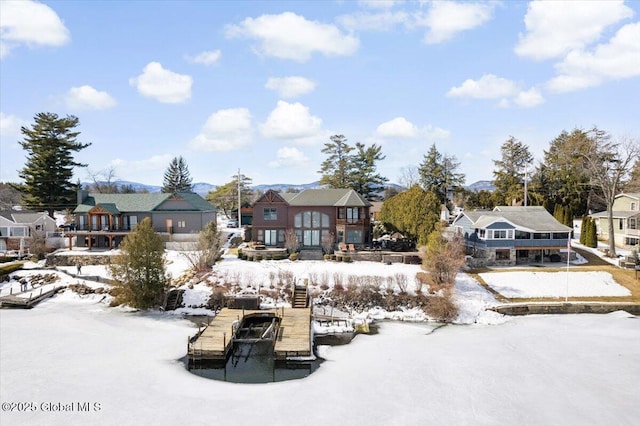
511 235
18 225
315 215
103 220
626 220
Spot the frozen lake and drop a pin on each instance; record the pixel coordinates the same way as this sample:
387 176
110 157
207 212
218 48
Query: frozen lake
540 370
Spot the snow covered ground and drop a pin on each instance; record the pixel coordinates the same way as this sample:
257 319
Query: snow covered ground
554 284
537 370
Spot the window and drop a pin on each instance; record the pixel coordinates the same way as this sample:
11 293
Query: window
541 236
309 226
560 235
633 206
631 241
352 214
482 233
620 224
133 221
270 237
270 213
4 231
522 235
501 234
503 254
354 236
632 223
181 224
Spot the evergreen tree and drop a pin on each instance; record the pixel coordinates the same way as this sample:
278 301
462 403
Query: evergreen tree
336 169
414 212
177 177
363 177
47 174
510 171
563 177
225 197
583 229
438 173
592 236
139 270
568 216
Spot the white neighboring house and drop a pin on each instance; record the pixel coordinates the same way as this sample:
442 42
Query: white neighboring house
626 220
17 226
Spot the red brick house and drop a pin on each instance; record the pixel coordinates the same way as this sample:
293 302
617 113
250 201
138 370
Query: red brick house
312 214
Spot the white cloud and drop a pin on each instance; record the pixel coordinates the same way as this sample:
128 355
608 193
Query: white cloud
529 98
156 162
488 86
379 4
291 87
617 59
225 130
29 23
380 21
401 128
209 57
445 19
86 97
163 85
289 157
555 28
291 121
10 125
291 36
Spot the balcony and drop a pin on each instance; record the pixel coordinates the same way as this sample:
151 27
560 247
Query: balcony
357 222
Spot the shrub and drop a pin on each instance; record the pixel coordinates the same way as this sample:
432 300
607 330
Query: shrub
327 257
293 256
441 308
346 259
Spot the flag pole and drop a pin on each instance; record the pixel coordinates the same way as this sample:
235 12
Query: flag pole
566 295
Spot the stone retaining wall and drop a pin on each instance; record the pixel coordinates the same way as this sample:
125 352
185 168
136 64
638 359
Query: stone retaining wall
73 260
567 308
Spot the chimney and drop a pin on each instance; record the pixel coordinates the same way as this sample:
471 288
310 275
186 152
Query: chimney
82 195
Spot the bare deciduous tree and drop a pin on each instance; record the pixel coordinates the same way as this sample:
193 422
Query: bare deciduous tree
610 163
291 242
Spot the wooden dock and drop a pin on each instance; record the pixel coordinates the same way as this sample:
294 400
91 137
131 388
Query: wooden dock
14 301
293 341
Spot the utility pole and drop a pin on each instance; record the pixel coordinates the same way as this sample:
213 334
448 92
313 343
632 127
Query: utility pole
526 170
239 202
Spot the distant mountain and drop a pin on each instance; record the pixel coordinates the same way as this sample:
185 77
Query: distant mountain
202 188
283 187
481 185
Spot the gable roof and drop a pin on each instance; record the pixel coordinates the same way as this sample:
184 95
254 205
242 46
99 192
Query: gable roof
634 195
116 203
534 218
326 197
23 216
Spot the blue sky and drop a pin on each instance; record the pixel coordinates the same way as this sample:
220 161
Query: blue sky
261 86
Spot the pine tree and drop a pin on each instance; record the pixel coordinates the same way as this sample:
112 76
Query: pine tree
177 177
568 216
139 271
438 173
48 171
225 197
510 170
363 177
336 169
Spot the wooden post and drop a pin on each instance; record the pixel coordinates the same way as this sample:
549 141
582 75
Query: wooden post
224 341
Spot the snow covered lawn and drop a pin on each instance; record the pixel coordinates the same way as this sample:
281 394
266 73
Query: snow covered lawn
554 284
